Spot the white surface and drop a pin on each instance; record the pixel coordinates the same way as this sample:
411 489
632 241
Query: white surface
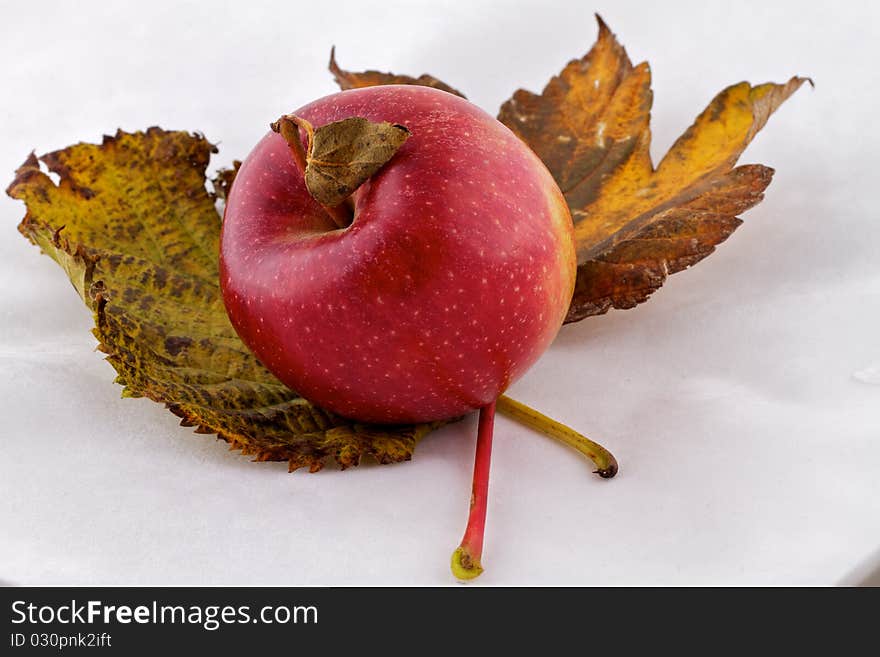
749 445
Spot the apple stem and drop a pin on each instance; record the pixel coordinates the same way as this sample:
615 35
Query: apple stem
606 464
466 559
288 127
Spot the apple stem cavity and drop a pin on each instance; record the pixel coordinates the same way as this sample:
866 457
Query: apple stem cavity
288 127
606 464
466 558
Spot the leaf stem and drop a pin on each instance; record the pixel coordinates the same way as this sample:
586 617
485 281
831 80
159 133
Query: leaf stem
606 464
466 559
288 127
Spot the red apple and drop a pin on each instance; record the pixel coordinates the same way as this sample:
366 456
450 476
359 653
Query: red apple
452 279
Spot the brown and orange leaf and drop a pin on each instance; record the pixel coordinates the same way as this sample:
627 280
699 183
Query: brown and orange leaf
136 231
635 223
351 80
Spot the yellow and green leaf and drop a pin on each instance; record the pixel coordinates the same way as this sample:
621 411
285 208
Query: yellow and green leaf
135 229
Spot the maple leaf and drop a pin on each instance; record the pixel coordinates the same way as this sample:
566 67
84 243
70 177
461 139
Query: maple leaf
136 231
636 224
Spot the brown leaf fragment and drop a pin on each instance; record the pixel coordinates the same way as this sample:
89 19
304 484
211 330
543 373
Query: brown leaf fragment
636 224
222 182
351 80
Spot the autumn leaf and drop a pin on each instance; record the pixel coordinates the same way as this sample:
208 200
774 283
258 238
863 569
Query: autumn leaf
136 231
635 223
350 80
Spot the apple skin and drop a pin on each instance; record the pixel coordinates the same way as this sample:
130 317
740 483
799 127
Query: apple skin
453 278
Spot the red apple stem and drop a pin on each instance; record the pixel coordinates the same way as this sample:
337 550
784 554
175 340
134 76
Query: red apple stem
606 464
288 127
466 559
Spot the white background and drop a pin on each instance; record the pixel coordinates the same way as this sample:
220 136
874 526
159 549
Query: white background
749 446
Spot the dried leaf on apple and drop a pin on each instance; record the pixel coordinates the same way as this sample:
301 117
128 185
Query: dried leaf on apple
136 231
342 155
